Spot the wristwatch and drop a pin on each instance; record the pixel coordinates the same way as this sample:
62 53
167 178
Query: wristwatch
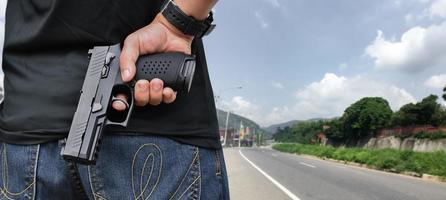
187 24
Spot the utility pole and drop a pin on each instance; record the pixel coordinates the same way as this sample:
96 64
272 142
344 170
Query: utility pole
226 127
240 134
260 139
217 99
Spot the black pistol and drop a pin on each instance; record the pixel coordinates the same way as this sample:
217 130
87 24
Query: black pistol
102 83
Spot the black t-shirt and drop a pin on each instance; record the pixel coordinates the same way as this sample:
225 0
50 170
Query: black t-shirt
45 61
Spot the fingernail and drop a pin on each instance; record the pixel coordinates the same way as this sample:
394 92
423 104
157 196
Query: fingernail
157 87
119 105
141 87
126 73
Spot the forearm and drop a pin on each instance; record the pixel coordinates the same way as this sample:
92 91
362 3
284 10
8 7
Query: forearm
199 9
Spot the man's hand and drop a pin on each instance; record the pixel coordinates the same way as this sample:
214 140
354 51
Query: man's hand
158 36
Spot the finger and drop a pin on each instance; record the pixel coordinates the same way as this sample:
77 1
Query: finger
118 105
142 92
169 95
156 91
129 56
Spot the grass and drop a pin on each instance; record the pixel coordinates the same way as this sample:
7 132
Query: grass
433 163
432 136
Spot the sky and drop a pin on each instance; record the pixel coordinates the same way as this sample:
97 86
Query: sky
297 59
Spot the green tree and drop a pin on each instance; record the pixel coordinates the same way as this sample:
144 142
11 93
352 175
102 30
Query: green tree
428 111
427 108
304 132
406 116
335 130
366 116
444 95
283 134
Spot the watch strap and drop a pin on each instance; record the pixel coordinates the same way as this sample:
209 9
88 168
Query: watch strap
187 24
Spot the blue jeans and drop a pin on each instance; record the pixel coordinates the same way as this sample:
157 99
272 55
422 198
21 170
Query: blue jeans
128 167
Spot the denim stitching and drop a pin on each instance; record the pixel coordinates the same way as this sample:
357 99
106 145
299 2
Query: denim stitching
195 178
199 185
5 196
185 175
95 194
217 163
35 171
150 175
91 183
3 155
99 196
188 187
187 172
5 176
141 194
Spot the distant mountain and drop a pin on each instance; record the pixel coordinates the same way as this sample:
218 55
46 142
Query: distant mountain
273 128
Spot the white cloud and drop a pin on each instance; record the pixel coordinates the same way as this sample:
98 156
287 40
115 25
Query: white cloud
397 3
412 19
243 107
343 66
333 94
418 48
277 85
261 19
274 3
241 103
438 9
326 98
436 82
248 109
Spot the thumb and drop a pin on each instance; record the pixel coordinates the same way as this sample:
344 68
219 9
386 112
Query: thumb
146 40
129 56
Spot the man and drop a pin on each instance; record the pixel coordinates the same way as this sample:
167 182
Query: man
170 149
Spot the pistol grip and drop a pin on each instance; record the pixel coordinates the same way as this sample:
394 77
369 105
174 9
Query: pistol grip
175 69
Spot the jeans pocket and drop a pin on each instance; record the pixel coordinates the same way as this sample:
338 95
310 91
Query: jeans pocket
145 167
190 185
18 164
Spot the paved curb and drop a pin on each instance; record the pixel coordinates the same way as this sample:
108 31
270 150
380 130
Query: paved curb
406 173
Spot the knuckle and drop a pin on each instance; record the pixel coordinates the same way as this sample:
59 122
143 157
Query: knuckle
155 99
141 98
155 103
129 38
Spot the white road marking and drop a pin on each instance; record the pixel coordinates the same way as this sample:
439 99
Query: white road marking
308 165
275 155
280 186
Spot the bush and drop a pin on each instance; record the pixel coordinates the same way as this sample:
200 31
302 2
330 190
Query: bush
389 159
363 157
430 135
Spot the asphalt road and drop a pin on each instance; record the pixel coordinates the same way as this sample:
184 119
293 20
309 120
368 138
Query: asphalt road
259 173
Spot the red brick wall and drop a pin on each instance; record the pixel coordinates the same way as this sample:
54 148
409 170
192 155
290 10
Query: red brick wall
407 131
